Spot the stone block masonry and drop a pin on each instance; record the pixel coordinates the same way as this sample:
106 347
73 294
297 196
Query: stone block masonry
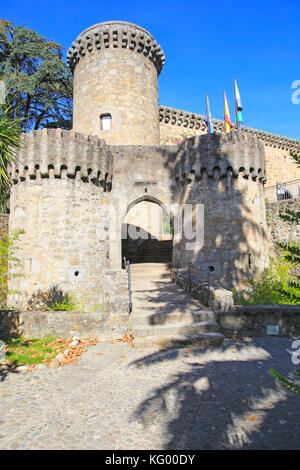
59 199
115 66
176 125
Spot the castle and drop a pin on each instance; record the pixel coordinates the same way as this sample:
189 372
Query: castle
76 193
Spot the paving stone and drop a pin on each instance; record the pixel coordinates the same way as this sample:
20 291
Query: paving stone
152 402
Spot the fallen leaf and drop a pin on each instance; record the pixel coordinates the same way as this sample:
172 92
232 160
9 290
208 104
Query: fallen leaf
125 339
122 356
252 418
100 354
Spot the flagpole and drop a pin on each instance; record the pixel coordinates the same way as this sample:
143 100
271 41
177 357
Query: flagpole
224 99
238 106
235 102
208 119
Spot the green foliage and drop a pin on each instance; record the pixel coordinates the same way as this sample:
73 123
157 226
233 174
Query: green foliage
277 287
167 225
8 263
285 381
290 216
9 144
38 81
291 251
22 351
295 157
67 304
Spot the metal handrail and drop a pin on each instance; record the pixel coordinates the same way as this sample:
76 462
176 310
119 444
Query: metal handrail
127 267
283 191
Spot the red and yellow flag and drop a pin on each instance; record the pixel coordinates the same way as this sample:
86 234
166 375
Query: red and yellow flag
228 125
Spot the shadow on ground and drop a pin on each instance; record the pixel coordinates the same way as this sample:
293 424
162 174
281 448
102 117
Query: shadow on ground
226 399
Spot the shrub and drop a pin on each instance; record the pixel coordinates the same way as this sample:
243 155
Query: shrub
67 304
277 286
8 263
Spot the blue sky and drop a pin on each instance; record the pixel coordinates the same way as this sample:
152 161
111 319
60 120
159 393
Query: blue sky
207 44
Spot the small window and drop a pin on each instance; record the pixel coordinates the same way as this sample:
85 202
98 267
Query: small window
105 122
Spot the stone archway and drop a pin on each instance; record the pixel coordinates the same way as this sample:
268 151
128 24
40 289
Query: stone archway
146 233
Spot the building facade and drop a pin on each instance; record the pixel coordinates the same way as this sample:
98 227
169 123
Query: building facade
76 193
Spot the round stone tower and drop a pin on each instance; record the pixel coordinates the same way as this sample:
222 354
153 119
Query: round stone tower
116 66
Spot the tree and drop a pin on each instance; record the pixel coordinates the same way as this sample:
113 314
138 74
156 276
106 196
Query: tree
9 143
291 254
38 81
291 250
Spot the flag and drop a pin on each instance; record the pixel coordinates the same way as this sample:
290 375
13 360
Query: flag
228 125
238 107
208 119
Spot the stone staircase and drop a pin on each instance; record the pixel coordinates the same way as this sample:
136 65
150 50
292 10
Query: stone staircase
149 251
165 316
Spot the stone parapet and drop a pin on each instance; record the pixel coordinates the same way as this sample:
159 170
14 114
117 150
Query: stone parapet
190 121
116 34
56 152
218 154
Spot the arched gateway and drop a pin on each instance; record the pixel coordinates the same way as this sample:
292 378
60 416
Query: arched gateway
147 234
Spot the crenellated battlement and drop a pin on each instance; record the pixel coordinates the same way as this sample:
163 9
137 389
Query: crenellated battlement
238 153
50 152
196 122
116 34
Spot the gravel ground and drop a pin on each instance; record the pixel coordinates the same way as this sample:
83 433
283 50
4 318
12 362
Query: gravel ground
118 397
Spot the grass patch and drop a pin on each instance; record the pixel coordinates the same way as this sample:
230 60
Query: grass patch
20 351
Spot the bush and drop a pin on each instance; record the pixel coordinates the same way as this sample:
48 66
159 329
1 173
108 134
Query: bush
67 304
277 286
8 263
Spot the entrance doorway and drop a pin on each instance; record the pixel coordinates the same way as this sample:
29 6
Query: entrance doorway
147 233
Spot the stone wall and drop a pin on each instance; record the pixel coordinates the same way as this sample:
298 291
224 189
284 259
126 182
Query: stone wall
281 230
71 196
115 67
140 174
224 173
253 320
37 324
4 223
242 321
175 125
59 198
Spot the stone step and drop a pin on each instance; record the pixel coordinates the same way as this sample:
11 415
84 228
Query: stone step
186 317
155 267
177 341
174 329
164 315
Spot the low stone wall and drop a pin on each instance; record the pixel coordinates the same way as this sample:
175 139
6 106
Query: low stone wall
213 296
240 321
255 320
36 324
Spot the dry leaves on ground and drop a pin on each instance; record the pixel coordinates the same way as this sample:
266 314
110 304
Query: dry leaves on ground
252 418
74 353
125 339
93 341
